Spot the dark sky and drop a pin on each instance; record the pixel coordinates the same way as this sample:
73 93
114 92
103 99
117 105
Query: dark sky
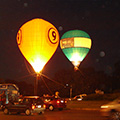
99 18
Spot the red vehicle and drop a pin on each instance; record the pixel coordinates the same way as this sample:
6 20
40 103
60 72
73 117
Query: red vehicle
54 103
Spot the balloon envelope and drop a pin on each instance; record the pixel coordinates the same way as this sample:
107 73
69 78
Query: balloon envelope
37 40
75 44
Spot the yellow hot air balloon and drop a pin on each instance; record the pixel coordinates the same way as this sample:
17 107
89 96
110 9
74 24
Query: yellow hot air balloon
37 40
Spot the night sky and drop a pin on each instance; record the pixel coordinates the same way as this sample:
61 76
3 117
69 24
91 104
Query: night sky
99 18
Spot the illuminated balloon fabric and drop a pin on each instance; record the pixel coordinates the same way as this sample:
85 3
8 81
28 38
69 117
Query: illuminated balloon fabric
37 40
75 44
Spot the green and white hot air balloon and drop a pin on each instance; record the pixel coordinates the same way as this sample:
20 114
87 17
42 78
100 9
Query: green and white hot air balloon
75 44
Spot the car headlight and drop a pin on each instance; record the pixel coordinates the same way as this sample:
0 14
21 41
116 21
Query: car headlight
79 99
104 106
39 106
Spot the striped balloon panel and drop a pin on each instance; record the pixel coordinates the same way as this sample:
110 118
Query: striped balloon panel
75 42
78 53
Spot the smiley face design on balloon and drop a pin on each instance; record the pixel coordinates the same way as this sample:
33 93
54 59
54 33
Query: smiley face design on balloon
37 40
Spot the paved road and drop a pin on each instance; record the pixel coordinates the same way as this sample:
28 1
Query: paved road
57 115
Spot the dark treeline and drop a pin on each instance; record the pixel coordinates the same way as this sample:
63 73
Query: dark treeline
84 80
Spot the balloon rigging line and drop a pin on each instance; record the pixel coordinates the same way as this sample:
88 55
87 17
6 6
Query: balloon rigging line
41 74
46 85
27 67
26 76
82 73
31 74
52 80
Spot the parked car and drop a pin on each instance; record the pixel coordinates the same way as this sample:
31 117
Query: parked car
54 103
79 97
111 110
27 105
